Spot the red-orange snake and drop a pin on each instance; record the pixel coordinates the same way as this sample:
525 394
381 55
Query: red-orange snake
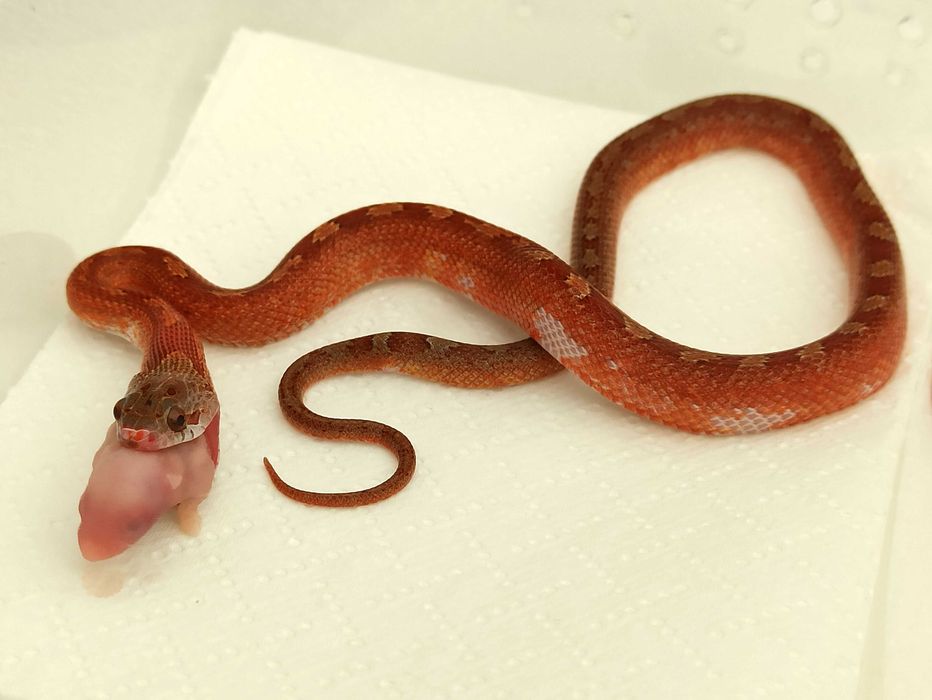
166 308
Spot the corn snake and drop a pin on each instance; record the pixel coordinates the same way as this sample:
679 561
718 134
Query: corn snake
165 307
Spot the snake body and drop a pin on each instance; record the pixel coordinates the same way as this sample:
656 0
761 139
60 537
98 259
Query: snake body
160 303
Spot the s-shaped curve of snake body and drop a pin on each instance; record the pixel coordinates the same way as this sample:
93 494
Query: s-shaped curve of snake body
165 307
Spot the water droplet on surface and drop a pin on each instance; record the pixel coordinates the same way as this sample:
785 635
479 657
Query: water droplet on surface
813 61
911 29
728 41
896 75
825 12
625 24
523 10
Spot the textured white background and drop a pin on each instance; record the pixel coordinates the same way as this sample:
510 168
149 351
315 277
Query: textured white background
85 125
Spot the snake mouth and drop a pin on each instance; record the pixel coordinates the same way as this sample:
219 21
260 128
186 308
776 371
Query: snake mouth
138 438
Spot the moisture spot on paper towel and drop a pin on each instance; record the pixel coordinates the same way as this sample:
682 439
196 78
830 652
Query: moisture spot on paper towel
825 12
102 579
625 24
910 28
812 60
729 41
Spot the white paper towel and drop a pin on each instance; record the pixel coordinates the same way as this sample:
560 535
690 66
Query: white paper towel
551 544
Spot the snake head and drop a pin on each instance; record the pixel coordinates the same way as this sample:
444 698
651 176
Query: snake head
165 406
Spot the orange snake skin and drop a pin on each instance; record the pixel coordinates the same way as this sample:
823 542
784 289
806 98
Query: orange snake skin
162 305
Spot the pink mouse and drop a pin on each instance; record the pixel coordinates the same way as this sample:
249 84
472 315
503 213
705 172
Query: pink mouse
129 489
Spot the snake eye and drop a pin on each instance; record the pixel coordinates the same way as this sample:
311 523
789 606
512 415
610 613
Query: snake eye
175 419
118 408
